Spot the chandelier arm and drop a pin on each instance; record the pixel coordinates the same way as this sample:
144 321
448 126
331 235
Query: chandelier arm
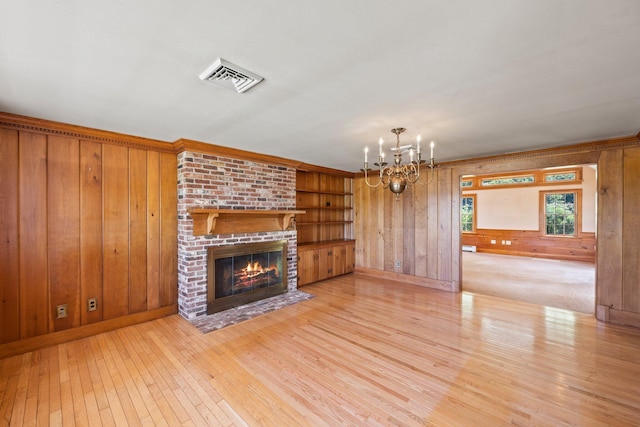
366 179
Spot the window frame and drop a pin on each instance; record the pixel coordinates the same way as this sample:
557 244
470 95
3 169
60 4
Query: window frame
577 224
474 182
474 215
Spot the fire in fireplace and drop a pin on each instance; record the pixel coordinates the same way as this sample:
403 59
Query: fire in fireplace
240 274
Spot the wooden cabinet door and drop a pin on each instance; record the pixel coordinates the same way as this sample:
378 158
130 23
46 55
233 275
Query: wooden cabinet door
339 255
307 267
325 263
350 257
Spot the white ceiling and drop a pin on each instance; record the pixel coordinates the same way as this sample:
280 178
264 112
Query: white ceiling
478 77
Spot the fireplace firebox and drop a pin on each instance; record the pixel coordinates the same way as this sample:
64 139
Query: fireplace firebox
240 274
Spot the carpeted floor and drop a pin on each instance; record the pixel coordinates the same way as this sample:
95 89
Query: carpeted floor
554 283
235 315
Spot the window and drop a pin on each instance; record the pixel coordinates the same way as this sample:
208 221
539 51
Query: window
551 177
510 180
560 212
468 213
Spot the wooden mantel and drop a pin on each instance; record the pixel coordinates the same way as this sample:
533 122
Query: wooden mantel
231 221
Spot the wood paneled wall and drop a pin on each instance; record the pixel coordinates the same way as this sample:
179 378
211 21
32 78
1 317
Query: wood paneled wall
83 216
422 228
618 265
533 244
410 235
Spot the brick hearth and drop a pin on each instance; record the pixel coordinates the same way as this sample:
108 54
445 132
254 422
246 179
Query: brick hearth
209 181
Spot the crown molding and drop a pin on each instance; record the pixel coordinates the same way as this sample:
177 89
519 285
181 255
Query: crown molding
48 127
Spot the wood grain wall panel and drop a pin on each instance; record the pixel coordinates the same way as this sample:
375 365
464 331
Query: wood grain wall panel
433 226
9 261
631 231
388 226
455 230
80 221
361 218
137 230
153 230
63 178
408 232
116 231
32 178
444 224
91 229
169 228
421 235
532 243
610 228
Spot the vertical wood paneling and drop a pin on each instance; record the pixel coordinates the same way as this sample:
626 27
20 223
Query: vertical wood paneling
421 235
456 232
91 229
9 261
169 228
34 293
64 230
116 231
137 230
432 225
444 224
153 230
407 232
361 218
389 222
610 200
631 231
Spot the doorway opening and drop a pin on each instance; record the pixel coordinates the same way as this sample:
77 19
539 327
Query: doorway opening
531 236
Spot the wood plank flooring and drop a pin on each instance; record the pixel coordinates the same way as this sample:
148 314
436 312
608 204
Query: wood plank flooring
362 352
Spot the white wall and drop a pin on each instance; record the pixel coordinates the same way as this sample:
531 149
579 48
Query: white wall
517 208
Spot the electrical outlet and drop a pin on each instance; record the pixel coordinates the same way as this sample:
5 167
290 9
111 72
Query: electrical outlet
398 264
503 242
493 242
508 242
62 310
92 304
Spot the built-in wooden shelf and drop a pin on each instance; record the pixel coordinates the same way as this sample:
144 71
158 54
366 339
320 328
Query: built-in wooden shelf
231 221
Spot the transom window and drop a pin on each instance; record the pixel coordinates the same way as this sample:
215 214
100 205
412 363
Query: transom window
511 180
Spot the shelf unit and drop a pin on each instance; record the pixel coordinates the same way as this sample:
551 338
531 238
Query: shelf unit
325 232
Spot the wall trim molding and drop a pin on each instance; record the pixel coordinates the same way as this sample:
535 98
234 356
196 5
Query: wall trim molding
583 147
47 340
48 127
405 278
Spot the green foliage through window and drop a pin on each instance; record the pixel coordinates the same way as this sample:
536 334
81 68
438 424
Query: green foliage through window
560 214
467 212
508 180
571 176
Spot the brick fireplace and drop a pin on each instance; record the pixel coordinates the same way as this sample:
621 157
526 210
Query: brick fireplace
212 181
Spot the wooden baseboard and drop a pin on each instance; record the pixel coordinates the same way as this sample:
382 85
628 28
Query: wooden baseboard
626 318
41 341
414 280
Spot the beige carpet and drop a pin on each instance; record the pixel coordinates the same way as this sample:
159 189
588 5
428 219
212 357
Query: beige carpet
554 283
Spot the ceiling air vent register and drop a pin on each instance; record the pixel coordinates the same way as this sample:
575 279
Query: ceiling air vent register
229 75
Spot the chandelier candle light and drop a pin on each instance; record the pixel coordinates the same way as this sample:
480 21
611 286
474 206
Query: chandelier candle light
398 176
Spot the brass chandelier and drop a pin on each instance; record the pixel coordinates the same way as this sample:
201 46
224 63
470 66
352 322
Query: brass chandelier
398 176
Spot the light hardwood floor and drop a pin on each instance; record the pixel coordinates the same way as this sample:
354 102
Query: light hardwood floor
362 352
